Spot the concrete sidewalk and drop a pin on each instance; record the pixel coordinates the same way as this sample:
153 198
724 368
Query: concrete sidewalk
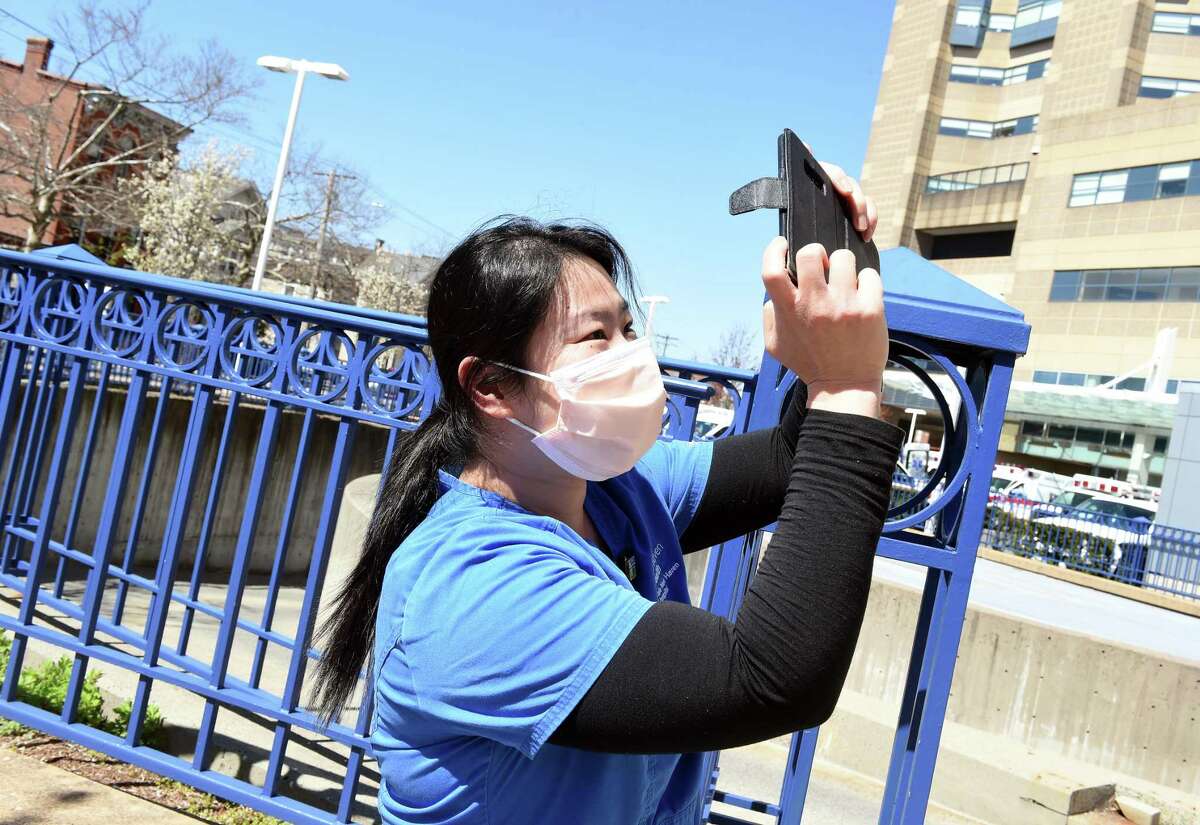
34 793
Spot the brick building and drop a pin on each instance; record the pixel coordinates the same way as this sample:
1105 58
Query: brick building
63 119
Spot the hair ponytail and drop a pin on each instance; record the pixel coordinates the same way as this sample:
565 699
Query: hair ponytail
486 299
409 491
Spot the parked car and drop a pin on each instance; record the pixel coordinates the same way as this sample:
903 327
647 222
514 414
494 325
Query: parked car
1097 534
1016 489
712 422
1062 503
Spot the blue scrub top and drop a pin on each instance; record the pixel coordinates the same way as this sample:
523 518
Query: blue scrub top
494 622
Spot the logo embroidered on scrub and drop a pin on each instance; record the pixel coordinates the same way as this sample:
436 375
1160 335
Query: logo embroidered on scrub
661 577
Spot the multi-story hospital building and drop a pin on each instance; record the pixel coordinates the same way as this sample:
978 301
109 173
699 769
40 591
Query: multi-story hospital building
1048 152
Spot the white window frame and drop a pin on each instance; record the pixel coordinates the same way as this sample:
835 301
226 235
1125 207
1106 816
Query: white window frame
1169 22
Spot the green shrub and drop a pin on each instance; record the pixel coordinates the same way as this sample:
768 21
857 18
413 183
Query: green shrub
45 687
153 726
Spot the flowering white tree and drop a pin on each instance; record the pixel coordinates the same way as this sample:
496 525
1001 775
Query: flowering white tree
191 219
204 219
381 287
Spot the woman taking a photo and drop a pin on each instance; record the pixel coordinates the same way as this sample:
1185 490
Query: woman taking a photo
521 597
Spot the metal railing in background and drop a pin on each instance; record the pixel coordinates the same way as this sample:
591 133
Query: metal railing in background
975 178
1131 550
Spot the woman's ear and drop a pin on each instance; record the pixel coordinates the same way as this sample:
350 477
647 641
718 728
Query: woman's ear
483 384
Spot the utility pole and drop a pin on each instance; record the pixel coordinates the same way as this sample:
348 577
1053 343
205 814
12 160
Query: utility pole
665 342
333 176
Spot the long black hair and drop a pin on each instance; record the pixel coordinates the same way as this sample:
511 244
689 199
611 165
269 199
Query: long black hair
486 299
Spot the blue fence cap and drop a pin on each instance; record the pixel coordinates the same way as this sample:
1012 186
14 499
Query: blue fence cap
924 299
69 252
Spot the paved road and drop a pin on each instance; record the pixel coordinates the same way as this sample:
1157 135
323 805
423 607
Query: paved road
1068 607
34 793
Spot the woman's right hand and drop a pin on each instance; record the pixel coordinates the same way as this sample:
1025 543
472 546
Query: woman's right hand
833 335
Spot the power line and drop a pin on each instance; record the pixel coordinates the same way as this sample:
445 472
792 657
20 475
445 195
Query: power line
24 23
13 35
392 201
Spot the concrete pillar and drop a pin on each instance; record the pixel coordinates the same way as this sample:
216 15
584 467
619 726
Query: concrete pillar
1181 472
1137 459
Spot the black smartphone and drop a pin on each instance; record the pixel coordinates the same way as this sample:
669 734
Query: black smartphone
810 209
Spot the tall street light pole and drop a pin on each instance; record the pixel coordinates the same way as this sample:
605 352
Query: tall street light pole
300 68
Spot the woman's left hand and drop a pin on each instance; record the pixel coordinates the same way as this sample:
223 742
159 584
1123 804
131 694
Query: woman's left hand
863 208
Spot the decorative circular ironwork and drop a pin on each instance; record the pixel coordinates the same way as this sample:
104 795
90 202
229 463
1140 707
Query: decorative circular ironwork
393 378
672 417
736 394
182 337
12 286
719 383
250 349
58 308
320 364
119 321
952 470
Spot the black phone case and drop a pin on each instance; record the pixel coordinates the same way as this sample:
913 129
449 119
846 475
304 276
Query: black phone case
810 208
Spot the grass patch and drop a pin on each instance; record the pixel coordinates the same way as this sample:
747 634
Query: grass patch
135 781
45 687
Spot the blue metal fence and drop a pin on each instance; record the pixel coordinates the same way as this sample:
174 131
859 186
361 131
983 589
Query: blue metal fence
170 442
1131 550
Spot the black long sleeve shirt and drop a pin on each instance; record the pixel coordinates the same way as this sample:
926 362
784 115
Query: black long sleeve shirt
687 680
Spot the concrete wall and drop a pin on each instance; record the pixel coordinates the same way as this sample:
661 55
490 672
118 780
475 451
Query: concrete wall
1181 474
1055 692
366 457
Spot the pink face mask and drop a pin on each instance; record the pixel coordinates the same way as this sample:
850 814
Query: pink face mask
610 411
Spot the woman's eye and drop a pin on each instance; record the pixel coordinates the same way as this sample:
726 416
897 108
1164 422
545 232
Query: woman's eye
630 332
598 335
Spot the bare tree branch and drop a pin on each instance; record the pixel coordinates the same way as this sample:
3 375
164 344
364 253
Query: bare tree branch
123 98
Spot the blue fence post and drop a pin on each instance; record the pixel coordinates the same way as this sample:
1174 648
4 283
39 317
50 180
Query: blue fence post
929 313
246 535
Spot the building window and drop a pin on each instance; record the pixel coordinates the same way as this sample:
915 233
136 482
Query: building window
985 76
1093 438
1140 183
1088 379
1036 20
970 17
1175 284
1166 22
986 129
1173 178
1164 87
974 178
984 244
1036 11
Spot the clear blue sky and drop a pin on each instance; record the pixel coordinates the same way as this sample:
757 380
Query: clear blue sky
642 116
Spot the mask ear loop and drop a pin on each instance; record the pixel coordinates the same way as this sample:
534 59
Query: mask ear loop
524 372
531 374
